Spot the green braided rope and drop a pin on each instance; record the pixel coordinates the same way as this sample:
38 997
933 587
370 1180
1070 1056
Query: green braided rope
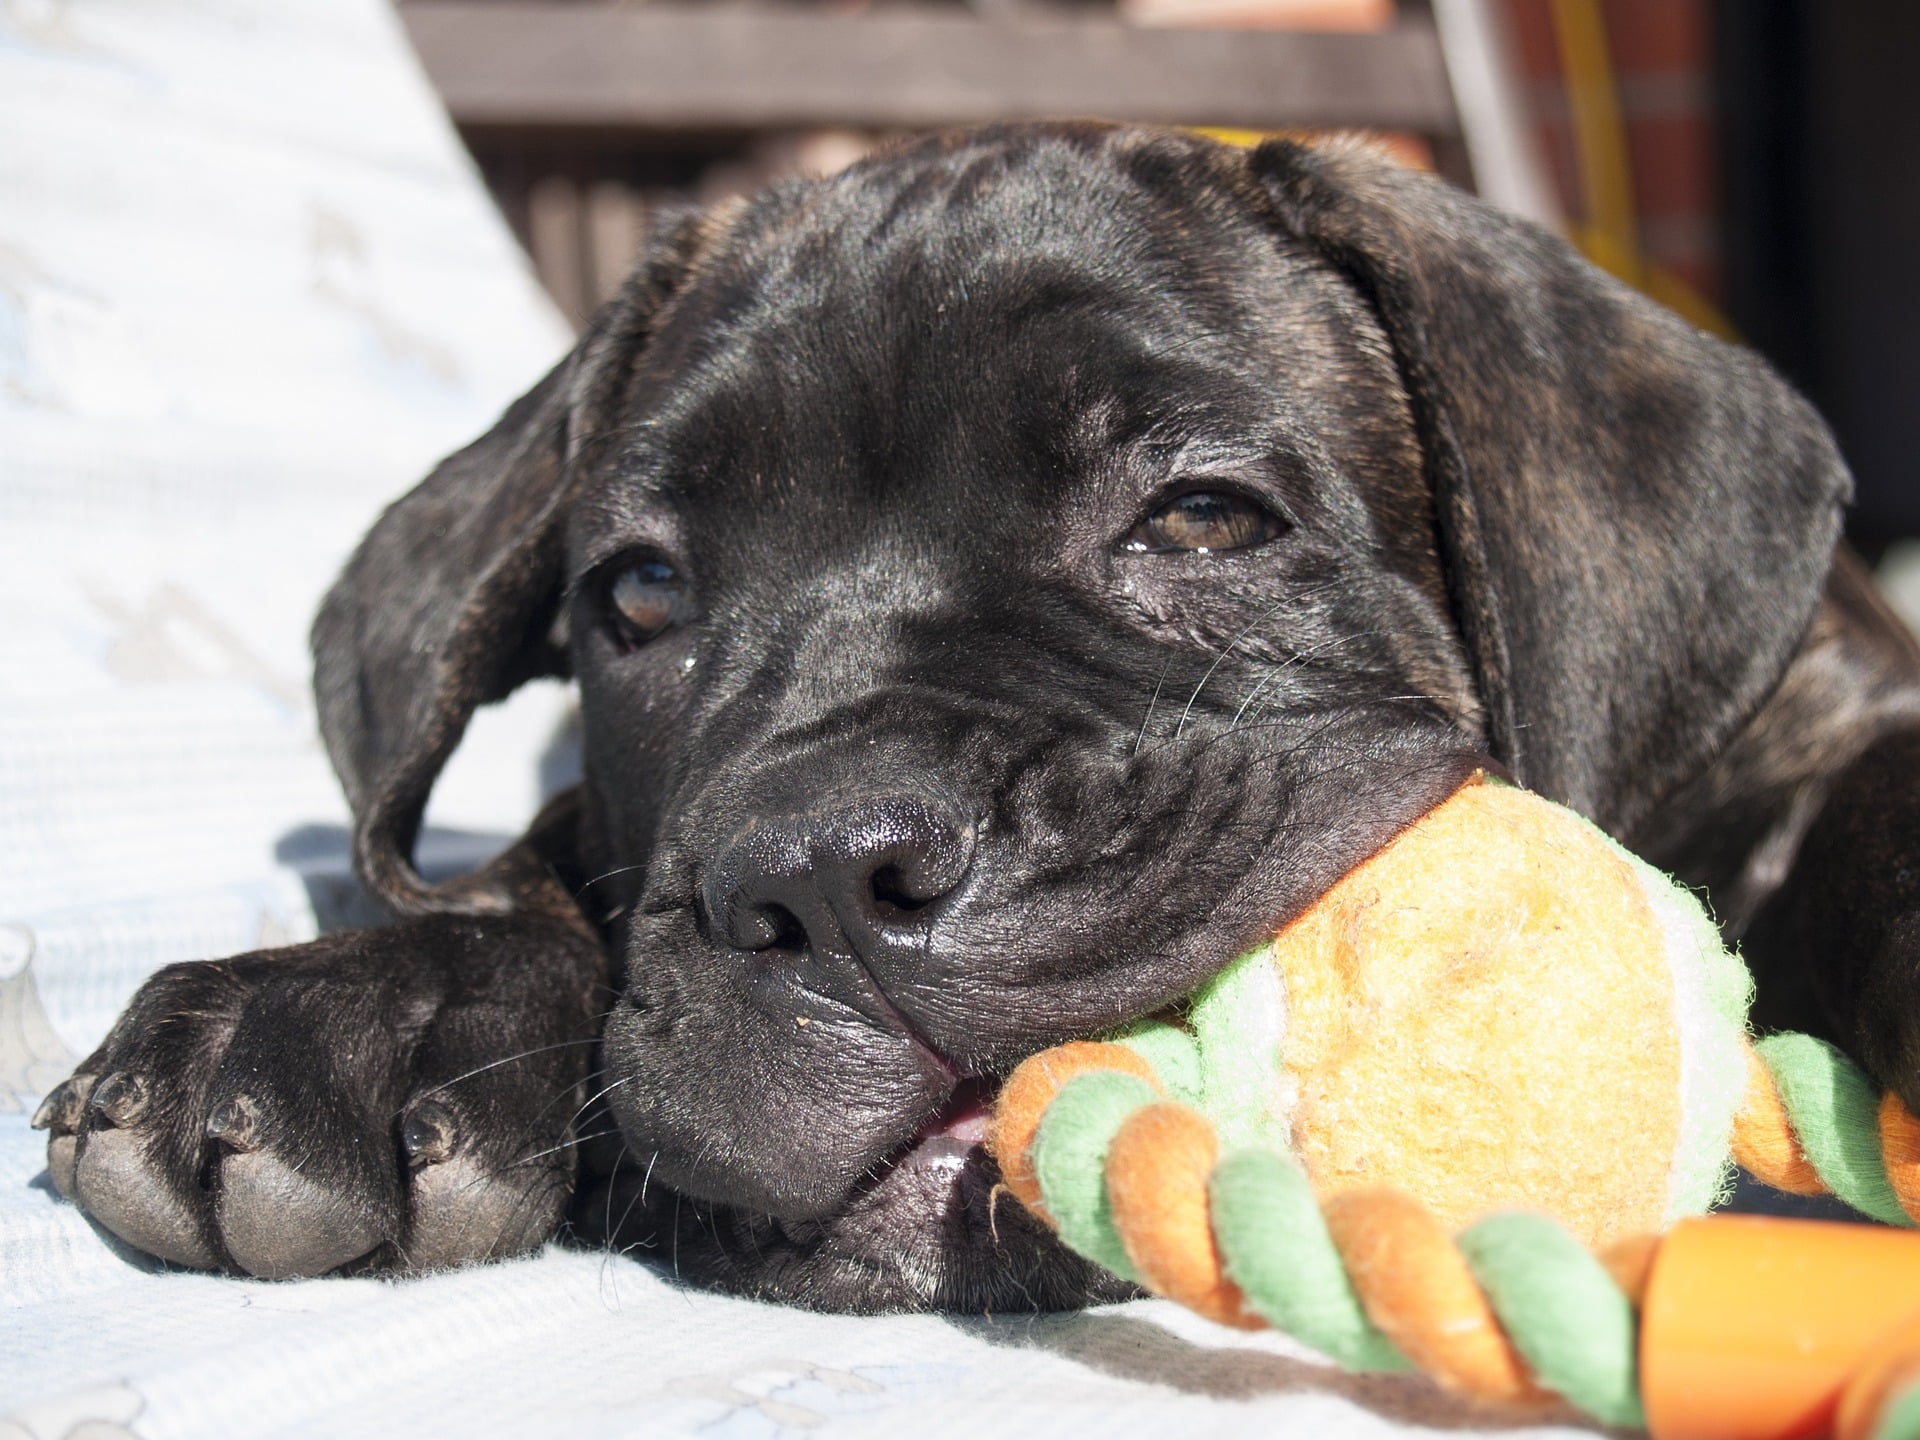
1274 1245
1835 1113
1564 1313
1070 1161
1172 1054
1900 1417
1558 1304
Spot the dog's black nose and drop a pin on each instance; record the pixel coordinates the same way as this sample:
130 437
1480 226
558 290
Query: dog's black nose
836 881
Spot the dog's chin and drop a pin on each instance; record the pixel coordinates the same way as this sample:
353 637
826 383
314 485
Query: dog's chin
932 1228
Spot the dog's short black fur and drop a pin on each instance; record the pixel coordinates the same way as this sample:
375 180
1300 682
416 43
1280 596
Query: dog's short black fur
1002 580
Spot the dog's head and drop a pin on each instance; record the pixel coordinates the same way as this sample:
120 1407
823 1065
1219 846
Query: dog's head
1005 579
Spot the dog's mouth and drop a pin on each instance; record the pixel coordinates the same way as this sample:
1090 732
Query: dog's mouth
949 1136
931 1180
933 1226
929 1227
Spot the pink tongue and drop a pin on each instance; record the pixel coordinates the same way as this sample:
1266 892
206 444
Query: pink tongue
969 1124
964 1118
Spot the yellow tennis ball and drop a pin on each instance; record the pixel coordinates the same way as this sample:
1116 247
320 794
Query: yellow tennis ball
1501 1009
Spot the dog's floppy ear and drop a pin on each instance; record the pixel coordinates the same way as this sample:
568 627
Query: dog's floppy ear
1634 517
450 601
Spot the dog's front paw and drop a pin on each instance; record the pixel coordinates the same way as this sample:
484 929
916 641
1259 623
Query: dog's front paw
398 1098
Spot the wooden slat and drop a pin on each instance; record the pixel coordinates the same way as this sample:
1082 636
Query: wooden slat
677 66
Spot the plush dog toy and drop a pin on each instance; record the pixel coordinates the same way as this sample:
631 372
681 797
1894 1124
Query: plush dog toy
1451 1117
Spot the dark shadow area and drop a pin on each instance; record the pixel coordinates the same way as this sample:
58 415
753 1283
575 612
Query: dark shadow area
1134 1349
1822 207
561 767
322 856
1750 1197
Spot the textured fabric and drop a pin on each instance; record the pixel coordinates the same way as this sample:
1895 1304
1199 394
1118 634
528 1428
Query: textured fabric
1511 1310
1900 1152
1763 1138
1418 1289
1240 1022
1028 1092
1712 993
1171 1055
1901 1419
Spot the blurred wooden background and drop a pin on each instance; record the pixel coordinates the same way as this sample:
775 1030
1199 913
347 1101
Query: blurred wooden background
586 118
1747 162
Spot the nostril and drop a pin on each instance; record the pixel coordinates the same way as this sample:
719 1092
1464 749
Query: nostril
785 927
892 896
765 926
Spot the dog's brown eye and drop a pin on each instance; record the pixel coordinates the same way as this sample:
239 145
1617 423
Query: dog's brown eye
1204 521
642 598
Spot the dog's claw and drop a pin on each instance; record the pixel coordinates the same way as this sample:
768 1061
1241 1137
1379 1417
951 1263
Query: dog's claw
63 1154
121 1098
235 1123
60 1114
429 1135
60 1111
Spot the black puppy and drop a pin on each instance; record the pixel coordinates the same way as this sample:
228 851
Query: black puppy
1002 581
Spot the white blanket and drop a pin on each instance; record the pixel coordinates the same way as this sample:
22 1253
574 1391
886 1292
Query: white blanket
249 289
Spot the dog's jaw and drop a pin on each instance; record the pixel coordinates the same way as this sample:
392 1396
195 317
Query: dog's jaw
933 1228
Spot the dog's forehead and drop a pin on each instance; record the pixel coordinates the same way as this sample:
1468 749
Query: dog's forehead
963 336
